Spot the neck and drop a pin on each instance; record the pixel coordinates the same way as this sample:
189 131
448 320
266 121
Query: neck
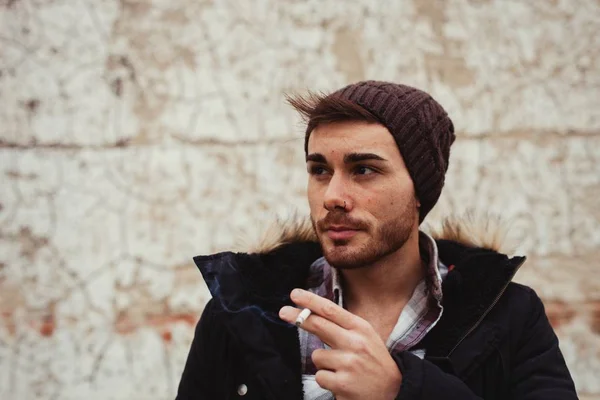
389 282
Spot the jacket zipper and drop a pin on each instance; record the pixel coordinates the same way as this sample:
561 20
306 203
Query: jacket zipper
489 308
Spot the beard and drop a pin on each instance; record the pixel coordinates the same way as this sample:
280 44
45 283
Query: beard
380 241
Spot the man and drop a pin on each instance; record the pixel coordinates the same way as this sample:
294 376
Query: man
395 313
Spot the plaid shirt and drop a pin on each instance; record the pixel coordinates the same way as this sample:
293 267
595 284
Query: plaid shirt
418 317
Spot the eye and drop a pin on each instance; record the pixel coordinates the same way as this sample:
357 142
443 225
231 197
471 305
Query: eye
364 170
317 170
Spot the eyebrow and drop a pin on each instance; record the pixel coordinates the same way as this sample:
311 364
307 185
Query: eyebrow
357 157
349 158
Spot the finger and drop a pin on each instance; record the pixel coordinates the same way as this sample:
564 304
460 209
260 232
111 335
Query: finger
289 314
325 308
328 380
333 360
330 333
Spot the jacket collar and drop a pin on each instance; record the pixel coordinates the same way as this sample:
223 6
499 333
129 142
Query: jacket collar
264 275
249 290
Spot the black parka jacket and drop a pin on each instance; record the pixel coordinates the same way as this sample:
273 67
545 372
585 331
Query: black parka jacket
493 341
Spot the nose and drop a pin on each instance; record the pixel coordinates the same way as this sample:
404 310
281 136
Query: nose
336 195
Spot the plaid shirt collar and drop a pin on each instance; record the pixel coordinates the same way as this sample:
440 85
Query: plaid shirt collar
418 317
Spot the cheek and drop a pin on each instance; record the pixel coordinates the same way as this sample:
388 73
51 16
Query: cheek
372 202
380 201
314 196
386 202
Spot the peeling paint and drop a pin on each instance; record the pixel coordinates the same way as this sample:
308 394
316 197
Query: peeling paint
136 135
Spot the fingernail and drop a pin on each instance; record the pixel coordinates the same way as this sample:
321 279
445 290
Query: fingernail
296 294
285 312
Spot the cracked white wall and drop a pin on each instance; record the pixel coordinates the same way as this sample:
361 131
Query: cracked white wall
137 134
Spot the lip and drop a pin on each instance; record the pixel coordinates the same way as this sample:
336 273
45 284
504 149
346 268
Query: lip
340 232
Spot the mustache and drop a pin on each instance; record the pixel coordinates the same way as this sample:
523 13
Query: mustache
340 218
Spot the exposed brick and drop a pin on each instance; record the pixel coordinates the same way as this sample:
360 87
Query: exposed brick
595 317
559 313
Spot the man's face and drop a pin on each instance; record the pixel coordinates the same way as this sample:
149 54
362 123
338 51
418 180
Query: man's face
361 197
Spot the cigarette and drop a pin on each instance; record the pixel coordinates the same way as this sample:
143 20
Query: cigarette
302 316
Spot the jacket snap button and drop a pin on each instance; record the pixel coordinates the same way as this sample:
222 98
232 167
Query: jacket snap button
242 390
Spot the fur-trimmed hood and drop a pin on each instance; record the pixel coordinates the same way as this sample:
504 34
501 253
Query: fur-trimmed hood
486 231
280 259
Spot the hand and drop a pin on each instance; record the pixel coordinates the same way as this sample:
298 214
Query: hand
358 366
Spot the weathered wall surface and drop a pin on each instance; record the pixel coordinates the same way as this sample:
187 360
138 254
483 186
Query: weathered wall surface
137 134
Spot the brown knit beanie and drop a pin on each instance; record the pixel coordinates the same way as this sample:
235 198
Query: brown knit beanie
420 126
